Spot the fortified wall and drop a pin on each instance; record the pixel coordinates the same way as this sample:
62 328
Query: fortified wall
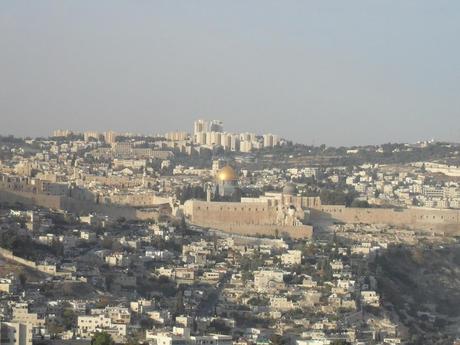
262 218
20 189
235 213
136 200
79 207
438 220
30 198
44 268
243 218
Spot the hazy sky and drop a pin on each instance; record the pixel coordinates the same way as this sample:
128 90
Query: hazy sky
335 72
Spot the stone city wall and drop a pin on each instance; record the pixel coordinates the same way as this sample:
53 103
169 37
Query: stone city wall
77 206
136 200
235 213
441 220
29 198
48 269
242 218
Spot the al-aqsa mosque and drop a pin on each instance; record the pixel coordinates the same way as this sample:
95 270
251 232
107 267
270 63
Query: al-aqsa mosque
271 214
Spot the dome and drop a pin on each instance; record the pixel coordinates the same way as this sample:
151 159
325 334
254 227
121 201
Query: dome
290 189
227 174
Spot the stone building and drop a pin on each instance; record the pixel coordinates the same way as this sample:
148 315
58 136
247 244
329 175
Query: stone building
271 215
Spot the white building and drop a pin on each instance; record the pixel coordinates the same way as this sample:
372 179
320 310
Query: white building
291 258
266 279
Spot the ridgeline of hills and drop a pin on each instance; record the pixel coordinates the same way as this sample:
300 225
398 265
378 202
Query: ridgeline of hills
286 155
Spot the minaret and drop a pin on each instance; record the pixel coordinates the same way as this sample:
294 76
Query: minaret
208 193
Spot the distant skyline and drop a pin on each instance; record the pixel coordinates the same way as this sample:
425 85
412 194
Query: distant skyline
332 72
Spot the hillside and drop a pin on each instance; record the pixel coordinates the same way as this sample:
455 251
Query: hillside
422 285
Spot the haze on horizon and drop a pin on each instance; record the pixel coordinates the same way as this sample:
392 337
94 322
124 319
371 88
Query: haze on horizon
333 72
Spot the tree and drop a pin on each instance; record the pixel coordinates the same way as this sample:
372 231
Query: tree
57 248
69 318
121 220
277 339
102 338
179 307
107 243
183 224
54 327
220 326
423 168
247 276
336 197
360 203
22 279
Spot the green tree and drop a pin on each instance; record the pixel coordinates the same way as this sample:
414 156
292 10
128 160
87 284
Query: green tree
360 203
69 318
220 326
102 338
179 307
22 279
277 339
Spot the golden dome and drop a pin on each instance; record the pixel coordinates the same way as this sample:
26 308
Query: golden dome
227 174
